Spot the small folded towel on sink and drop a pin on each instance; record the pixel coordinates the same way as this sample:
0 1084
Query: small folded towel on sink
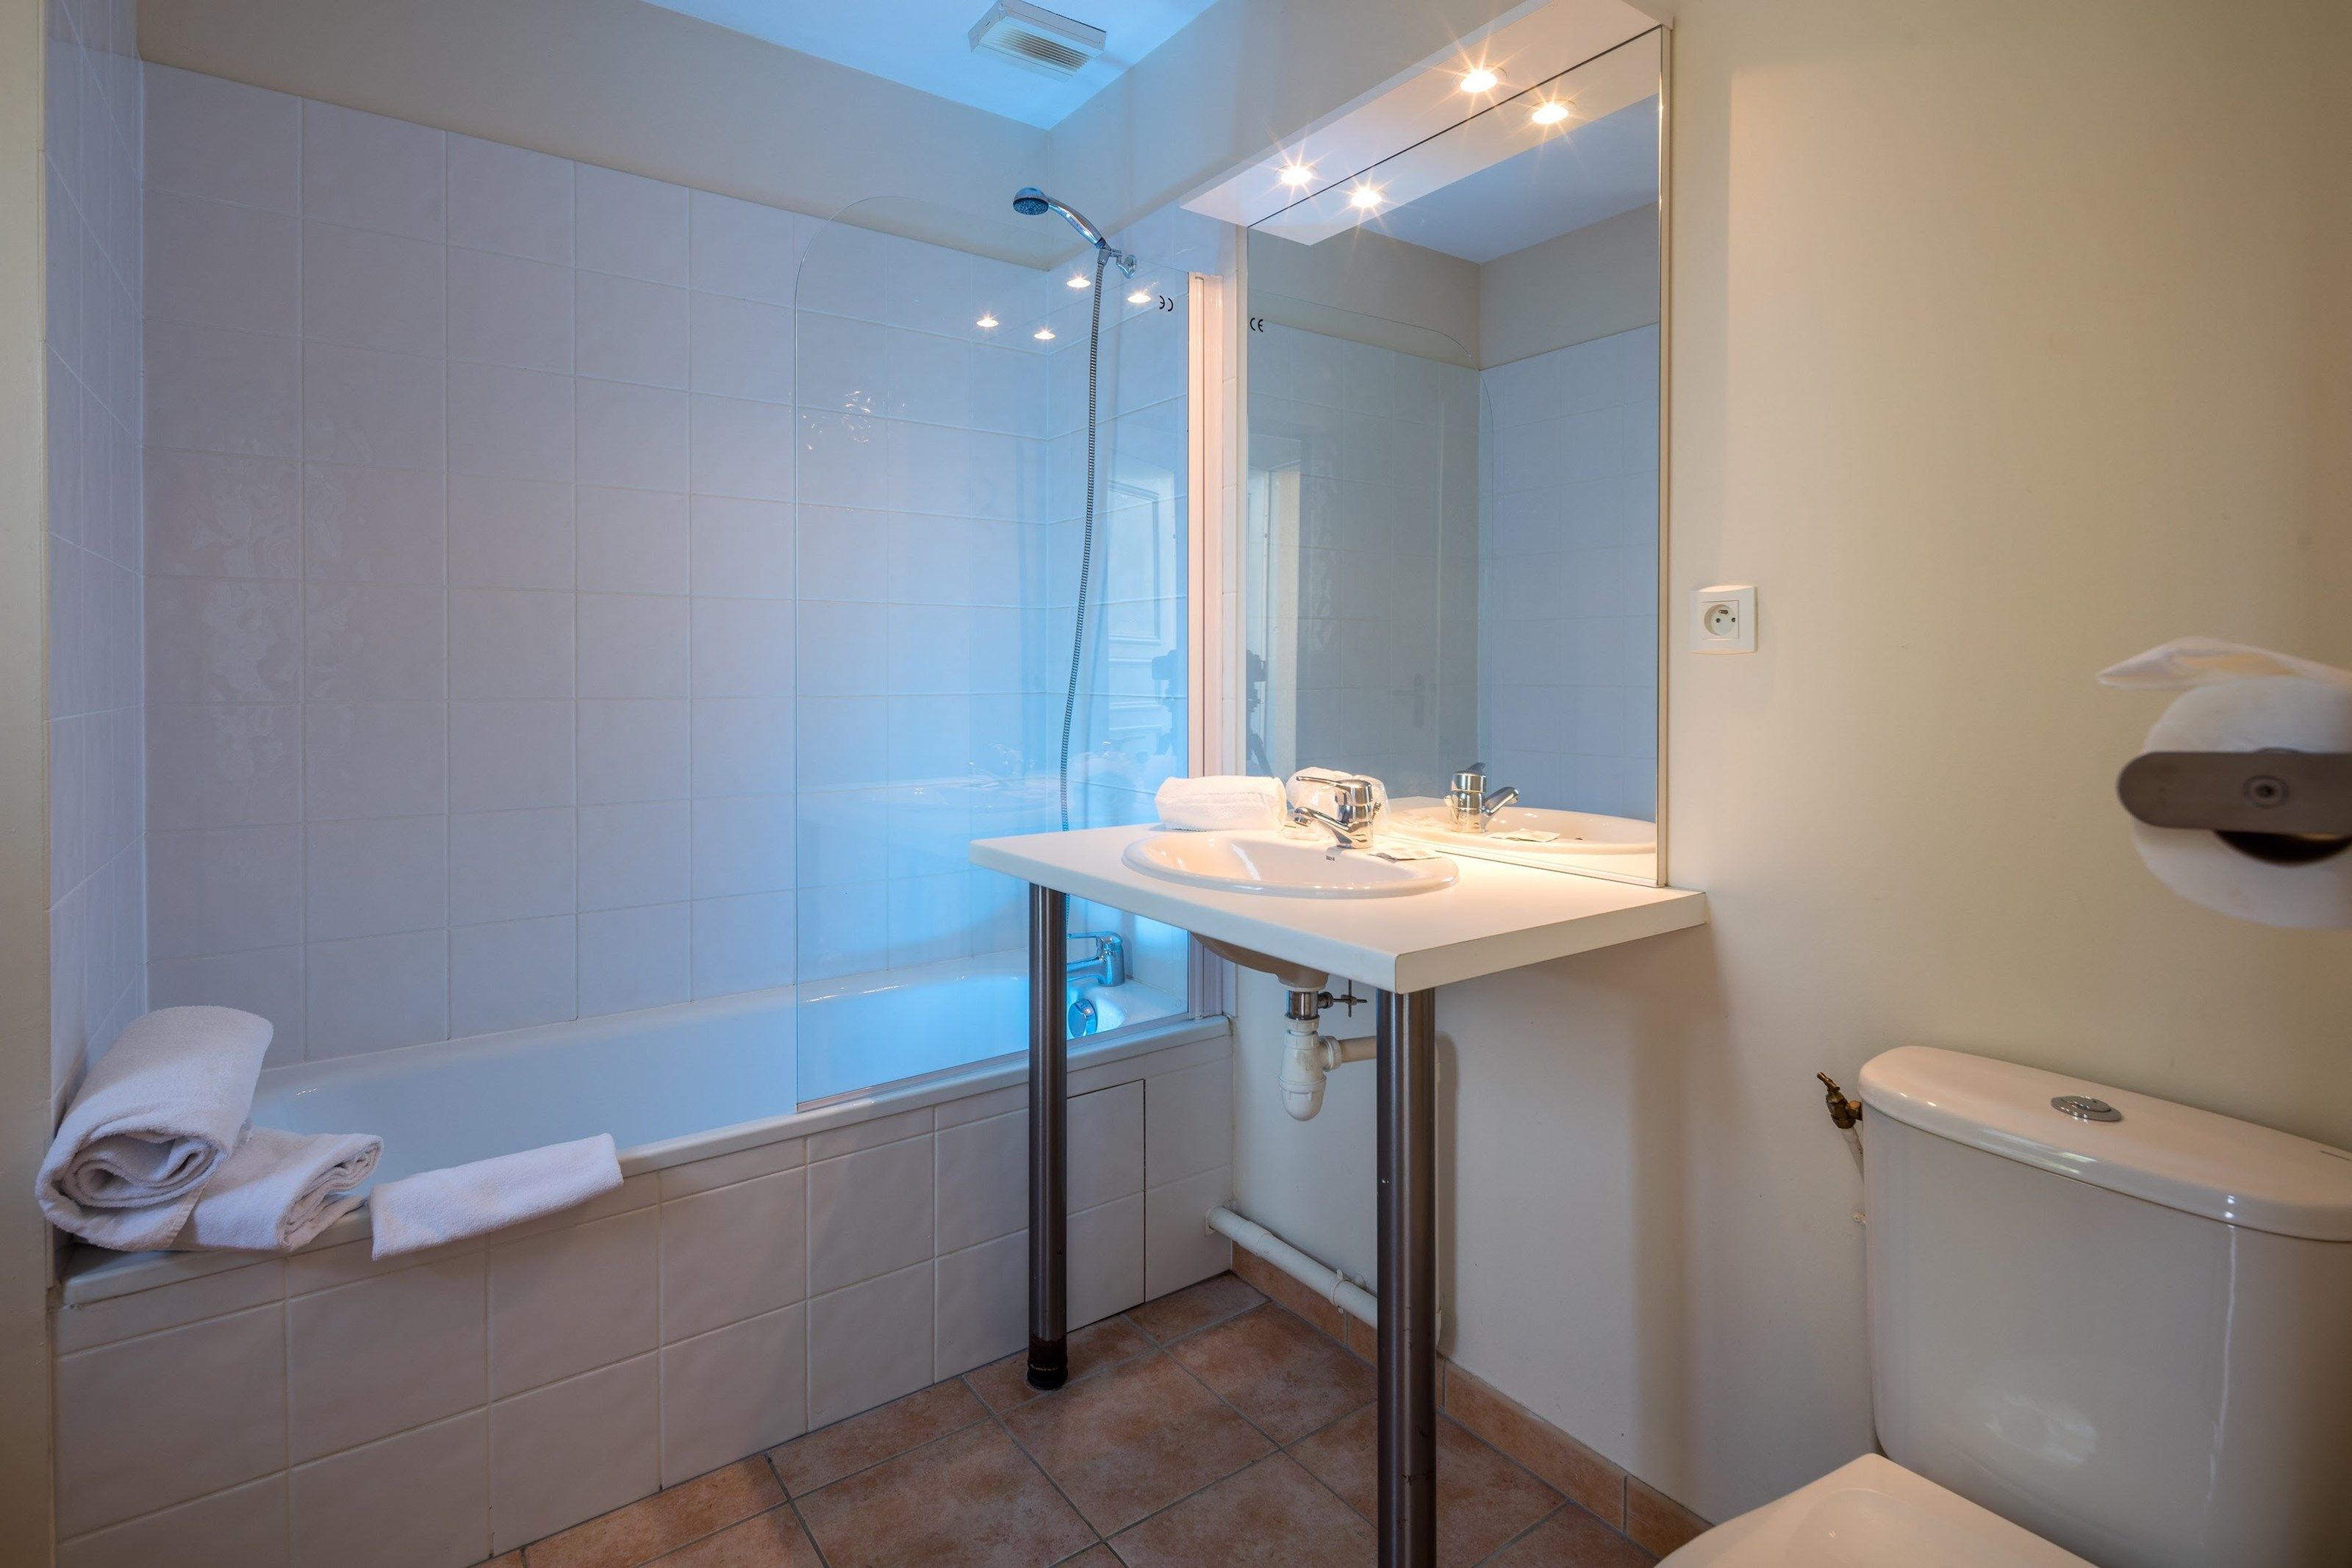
1220 801
278 1190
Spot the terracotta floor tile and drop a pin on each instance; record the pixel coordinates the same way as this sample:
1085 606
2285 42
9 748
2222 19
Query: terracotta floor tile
1290 1292
1273 1513
885 1432
1005 1384
770 1540
1569 1539
1482 1499
1094 1557
1133 1440
646 1529
970 1500
1278 1371
1195 1307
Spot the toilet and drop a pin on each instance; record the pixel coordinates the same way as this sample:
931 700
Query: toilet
2103 1328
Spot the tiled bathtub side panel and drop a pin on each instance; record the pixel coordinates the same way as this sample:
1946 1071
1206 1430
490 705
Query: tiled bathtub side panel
427 1412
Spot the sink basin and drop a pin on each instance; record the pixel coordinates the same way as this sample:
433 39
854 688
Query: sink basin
1527 830
1277 863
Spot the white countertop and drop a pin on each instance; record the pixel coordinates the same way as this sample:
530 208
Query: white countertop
1494 917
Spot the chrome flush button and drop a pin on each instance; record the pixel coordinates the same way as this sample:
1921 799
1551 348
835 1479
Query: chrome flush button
2084 1108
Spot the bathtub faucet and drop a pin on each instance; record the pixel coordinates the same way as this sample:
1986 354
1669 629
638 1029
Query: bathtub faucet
1107 967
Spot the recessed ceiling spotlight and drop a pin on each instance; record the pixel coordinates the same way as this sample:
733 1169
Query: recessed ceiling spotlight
987 322
1550 111
1077 281
1043 334
1297 174
1141 297
1479 81
1365 197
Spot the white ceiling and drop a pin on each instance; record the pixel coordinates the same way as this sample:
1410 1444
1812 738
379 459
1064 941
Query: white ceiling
927 45
1594 172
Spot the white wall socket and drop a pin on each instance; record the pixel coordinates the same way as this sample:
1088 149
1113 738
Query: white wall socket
1723 619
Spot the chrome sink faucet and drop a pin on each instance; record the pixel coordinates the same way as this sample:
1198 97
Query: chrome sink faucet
1355 813
1470 806
1107 967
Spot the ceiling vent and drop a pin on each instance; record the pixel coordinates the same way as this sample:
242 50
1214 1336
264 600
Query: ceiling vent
1036 39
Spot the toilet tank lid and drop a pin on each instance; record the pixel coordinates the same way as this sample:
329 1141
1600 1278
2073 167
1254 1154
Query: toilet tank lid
2195 1161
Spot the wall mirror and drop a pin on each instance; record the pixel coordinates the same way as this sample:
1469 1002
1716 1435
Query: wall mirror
1454 531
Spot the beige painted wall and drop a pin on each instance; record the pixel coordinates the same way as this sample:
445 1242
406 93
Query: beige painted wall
2008 340
24 802
1572 288
616 82
1398 293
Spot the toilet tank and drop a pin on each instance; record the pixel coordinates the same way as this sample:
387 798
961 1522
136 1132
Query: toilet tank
2133 1337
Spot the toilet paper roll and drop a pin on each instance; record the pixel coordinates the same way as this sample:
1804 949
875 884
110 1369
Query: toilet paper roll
2228 707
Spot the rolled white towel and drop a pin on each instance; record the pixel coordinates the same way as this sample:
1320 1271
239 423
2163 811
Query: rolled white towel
156 1118
434 1206
278 1190
1220 801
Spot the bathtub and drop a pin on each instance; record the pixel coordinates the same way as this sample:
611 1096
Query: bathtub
768 1265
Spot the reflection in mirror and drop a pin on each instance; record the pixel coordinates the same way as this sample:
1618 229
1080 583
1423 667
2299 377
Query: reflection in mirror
1452 534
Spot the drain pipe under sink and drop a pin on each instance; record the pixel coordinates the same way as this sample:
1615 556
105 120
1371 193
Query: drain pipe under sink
1332 1286
1307 1053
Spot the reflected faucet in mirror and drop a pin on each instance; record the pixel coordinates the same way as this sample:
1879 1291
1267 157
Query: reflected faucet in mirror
1470 806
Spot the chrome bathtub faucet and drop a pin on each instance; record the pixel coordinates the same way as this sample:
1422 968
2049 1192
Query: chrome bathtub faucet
1107 967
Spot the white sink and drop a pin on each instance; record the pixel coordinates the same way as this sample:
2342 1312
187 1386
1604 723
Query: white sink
1527 831
1277 863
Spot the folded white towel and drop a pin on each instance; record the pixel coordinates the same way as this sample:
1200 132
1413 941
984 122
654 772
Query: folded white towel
434 1206
156 1117
1220 801
278 1190
2208 660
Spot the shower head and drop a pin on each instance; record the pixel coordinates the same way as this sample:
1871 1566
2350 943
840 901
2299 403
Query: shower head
1030 202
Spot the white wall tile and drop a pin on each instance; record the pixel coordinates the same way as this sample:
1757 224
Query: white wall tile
732 1392
869 1344
509 310
372 525
1187 1121
224 890
634 854
266 981
630 225
725 1170
742 448
243 1527
573 1299
742 548
371 173
869 1213
1107 1250
217 264
742 844
213 515
371 407
1105 1144
632 959
376 992
572 1450
509 755
511 200
743 746
125 1411
1178 1247
212 640
373 290
633 645
374 759
221 140
632 541
373 641
983 1303
224 764
626 329
509 645
742 648
510 533
632 437
983 1182
366 1360
750 251
732 1253
510 865
634 749
507 975
212 390
420 1500
375 877
742 348
509 423
742 943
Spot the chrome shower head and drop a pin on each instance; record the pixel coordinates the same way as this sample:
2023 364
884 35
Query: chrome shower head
1030 202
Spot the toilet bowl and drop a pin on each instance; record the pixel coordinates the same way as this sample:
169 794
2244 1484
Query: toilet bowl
2104 1329
1871 1514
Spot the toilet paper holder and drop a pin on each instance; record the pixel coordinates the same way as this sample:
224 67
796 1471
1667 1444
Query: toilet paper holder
2290 807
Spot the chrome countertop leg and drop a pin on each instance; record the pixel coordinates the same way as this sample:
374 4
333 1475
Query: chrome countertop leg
1407 1116
1049 922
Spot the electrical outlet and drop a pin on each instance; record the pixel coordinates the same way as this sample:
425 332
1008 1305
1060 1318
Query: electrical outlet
1723 619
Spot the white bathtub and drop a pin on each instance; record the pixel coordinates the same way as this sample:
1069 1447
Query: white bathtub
670 1084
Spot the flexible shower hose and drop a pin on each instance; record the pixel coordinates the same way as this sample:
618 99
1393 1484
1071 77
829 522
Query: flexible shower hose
1086 548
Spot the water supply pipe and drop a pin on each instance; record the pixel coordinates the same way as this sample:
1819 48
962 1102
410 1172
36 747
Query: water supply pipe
1329 1283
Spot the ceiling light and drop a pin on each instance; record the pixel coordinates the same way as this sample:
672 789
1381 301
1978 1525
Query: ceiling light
1141 297
1076 280
1365 196
1297 174
1043 334
987 321
1479 81
1550 111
